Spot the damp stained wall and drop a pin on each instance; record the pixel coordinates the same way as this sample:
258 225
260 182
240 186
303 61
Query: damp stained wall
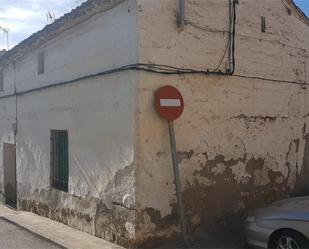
97 112
240 141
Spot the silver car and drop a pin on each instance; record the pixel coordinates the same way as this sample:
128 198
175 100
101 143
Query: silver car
283 225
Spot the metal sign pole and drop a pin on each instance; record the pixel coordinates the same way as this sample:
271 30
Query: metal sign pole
177 182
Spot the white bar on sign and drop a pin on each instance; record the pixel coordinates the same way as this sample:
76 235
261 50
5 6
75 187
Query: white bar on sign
170 102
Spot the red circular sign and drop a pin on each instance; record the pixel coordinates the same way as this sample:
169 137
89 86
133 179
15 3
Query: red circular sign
169 103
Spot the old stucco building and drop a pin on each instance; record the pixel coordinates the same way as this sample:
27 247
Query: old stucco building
89 148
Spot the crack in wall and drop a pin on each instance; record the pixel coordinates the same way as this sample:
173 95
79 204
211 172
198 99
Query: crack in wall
266 119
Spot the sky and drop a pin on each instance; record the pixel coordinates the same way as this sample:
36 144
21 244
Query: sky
304 5
24 17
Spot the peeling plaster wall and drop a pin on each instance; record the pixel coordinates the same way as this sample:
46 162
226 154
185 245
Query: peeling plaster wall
99 116
240 141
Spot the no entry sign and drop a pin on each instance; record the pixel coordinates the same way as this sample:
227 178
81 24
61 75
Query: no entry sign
169 103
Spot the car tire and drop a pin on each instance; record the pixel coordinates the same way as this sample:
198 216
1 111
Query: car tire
289 240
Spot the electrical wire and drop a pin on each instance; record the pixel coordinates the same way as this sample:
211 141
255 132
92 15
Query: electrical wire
172 70
270 79
196 25
231 39
150 68
224 54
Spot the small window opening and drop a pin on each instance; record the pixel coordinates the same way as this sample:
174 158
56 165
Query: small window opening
41 62
59 155
263 24
1 80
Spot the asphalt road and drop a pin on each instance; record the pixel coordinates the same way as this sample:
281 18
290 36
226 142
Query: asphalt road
15 237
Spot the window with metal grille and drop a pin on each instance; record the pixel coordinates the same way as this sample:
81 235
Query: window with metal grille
59 159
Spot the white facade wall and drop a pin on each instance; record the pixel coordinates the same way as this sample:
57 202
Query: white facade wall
97 112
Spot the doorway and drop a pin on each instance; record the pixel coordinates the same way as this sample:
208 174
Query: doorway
9 170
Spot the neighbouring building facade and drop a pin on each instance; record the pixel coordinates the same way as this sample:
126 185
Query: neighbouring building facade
81 142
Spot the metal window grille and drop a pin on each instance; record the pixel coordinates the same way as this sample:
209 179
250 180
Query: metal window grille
59 159
41 62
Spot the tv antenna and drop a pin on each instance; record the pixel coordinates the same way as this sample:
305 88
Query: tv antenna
6 31
50 16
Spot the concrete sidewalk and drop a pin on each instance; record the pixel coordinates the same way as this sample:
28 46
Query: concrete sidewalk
56 232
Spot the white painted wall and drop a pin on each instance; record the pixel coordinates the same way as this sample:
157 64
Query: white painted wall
99 116
105 41
98 113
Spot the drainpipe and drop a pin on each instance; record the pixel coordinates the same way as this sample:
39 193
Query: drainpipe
181 14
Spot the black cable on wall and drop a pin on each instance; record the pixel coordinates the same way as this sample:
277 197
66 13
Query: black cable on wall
172 70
